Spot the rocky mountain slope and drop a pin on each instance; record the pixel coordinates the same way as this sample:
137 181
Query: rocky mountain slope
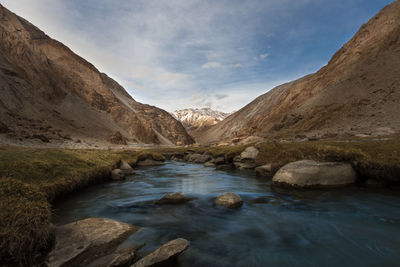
193 118
357 92
49 93
196 121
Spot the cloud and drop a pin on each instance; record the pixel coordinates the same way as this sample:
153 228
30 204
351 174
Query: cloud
154 48
211 65
221 96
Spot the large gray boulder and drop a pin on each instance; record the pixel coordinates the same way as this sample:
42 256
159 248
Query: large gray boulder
164 254
81 242
229 200
309 173
173 198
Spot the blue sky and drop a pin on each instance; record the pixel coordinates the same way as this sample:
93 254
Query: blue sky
201 53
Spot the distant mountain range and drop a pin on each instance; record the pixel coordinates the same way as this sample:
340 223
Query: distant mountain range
356 93
50 94
195 120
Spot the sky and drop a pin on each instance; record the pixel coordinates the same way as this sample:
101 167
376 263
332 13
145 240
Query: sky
221 54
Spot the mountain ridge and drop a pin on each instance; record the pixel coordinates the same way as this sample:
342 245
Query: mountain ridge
355 93
48 90
196 120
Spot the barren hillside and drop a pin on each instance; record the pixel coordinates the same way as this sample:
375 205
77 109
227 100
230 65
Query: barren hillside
49 93
357 92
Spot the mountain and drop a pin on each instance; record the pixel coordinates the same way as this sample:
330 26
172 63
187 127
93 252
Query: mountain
196 120
357 92
50 93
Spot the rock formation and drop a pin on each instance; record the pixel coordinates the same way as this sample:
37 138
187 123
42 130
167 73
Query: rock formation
357 92
48 90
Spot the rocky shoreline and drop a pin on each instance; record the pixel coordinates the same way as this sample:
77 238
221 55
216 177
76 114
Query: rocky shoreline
297 174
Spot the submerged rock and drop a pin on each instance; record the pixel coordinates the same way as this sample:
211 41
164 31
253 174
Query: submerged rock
309 173
81 242
173 198
117 175
229 200
126 168
165 254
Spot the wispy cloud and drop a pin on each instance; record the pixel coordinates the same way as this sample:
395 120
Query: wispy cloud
211 65
165 52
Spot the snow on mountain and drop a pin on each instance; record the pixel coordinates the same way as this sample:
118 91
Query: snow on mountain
195 118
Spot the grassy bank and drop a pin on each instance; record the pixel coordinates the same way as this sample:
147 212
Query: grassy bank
31 178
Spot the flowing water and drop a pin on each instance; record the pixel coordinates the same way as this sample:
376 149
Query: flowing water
344 227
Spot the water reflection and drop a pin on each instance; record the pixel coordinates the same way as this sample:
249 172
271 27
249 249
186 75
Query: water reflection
274 227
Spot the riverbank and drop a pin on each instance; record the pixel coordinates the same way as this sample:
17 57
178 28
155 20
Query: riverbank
32 178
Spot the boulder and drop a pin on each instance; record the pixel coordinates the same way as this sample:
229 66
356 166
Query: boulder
249 153
197 158
126 168
82 242
264 170
119 258
224 167
229 200
245 164
150 162
219 160
173 198
209 164
309 173
165 254
117 175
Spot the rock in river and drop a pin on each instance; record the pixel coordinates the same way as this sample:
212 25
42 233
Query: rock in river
173 198
81 242
117 175
164 254
126 168
150 162
309 173
264 170
229 200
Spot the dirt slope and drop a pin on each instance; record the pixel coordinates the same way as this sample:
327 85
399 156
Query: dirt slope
49 93
358 92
